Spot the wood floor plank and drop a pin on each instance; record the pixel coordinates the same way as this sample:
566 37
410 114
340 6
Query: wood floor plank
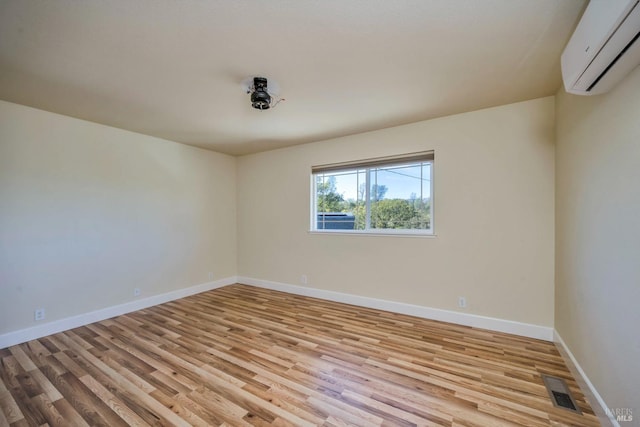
112 401
10 410
245 356
49 411
71 416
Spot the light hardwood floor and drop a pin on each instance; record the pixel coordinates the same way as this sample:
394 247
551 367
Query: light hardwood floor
241 355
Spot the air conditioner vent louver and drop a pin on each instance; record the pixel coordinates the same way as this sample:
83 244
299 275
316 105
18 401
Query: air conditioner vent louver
606 70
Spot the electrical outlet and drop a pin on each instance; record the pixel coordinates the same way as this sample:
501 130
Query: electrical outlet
39 314
462 302
303 279
136 292
211 275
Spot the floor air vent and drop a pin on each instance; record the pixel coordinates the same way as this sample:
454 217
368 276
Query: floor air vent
560 394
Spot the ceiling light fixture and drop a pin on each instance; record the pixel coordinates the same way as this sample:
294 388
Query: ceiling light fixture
261 97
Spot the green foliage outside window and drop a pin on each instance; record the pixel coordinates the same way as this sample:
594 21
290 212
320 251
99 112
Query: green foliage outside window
385 213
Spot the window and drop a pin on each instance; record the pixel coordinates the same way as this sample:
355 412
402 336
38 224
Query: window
390 195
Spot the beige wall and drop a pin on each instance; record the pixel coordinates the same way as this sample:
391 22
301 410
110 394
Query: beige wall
89 212
598 237
494 217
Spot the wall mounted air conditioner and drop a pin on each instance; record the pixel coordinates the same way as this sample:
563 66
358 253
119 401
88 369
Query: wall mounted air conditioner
604 48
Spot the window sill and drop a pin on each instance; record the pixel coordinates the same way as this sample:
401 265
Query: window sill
380 233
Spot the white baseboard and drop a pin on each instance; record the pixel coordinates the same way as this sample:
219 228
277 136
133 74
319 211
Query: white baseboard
597 402
35 332
494 324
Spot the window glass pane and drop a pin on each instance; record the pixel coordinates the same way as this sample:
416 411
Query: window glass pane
399 197
339 204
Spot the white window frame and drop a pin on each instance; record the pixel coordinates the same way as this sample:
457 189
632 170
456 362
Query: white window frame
368 165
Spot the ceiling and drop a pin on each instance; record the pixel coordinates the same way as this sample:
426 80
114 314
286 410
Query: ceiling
173 69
